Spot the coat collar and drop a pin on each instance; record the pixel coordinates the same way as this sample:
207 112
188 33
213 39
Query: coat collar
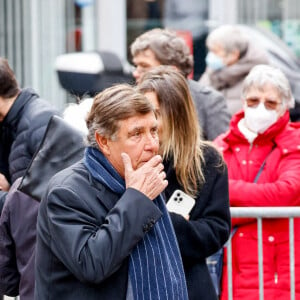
270 134
17 108
283 133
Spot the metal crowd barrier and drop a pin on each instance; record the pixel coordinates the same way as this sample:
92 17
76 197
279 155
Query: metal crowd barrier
261 213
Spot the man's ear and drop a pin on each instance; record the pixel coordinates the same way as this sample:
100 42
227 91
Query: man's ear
102 142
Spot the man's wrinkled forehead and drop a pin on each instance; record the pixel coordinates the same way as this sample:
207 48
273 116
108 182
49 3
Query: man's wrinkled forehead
140 120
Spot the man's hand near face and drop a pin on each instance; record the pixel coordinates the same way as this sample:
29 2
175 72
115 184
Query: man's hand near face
148 179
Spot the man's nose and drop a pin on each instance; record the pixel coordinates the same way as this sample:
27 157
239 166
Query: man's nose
136 74
151 142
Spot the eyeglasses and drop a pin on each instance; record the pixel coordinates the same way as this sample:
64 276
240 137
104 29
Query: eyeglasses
269 104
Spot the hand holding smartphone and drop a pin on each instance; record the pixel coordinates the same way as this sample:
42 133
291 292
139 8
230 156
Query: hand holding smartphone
180 203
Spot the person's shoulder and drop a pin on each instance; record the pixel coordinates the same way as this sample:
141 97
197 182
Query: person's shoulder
198 87
214 164
288 140
64 189
16 201
36 114
41 106
35 105
256 55
221 140
72 180
15 195
294 127
69 175
75 187
28 93
212 154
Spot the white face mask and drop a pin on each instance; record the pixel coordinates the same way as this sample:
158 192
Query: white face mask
259 119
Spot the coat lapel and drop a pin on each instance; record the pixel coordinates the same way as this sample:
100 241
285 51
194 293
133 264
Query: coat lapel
105 196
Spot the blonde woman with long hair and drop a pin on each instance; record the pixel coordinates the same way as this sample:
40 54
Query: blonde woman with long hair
195 167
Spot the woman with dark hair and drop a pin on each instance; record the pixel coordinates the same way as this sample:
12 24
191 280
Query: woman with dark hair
195 167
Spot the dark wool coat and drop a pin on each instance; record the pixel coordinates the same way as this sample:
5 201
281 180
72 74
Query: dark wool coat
88 258
209 225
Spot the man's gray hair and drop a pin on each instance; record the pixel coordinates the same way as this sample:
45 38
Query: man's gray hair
111 106
262 75
230 37
168 48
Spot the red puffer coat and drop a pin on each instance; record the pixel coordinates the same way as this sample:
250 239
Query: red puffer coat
278 185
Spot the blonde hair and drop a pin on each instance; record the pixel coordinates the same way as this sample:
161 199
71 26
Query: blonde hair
181 138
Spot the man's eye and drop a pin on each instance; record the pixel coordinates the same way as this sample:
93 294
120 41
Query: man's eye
142 67
137 133
154 130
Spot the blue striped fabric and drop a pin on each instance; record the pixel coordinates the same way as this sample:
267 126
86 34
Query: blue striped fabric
155 265
102 170
155 268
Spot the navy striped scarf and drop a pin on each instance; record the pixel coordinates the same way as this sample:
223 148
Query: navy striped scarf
155 266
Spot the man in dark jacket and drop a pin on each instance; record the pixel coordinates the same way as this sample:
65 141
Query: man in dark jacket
103 229
164 47
23 121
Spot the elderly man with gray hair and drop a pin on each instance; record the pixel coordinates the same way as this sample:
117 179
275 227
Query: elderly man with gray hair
231 55
103 229
164 47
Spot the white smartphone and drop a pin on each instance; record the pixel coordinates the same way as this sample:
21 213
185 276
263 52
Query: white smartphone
180 203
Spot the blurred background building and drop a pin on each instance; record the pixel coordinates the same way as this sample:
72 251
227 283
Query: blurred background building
33 33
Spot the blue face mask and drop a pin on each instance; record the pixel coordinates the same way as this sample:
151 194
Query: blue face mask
214 62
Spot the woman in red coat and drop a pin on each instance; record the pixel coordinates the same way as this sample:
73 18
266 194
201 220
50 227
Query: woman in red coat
263 131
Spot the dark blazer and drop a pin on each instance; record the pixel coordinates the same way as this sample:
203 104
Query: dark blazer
209 225
85 234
